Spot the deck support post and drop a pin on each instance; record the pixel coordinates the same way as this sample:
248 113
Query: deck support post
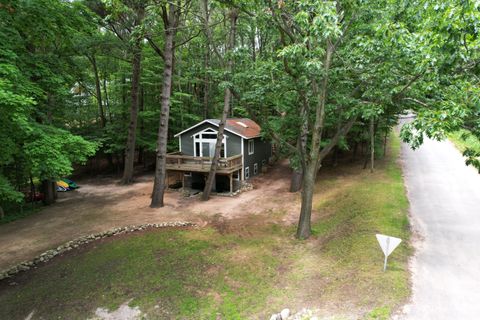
183 181
231 183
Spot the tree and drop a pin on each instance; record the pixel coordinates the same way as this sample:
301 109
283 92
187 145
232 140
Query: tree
226 106
341 64
136 64
171 15
35 82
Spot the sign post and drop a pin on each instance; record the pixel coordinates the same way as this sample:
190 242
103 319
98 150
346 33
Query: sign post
388 244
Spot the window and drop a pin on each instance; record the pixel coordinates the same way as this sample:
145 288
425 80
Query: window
222 151
204 143
251 146
197 149
209 136
255 168
247 172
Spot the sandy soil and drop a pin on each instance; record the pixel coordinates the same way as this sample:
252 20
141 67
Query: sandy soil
103 204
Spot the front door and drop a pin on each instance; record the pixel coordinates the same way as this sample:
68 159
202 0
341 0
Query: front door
208 148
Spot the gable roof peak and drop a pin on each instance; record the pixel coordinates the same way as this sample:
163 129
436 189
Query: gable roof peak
243 127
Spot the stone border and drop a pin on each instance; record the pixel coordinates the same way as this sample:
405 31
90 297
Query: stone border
49 254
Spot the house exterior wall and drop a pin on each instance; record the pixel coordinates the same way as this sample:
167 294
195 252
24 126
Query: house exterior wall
234 142
261 154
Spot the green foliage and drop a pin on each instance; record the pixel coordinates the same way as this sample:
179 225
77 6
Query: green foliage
65 70
449 99
35 79
469 145
52 152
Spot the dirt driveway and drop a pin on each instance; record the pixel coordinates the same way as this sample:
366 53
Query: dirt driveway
100 205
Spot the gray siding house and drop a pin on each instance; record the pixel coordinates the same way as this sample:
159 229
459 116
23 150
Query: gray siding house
242 156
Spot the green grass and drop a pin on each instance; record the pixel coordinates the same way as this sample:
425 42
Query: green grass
373 203
470 142
245 272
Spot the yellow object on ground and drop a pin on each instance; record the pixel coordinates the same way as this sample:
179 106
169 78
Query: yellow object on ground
62 184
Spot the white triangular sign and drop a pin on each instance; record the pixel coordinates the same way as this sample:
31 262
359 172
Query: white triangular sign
387 243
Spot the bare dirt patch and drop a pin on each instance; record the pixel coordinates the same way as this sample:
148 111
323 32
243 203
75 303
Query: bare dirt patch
124 312
102 204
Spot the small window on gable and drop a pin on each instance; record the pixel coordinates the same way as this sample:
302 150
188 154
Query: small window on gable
255 168
209 136
251 146
247 172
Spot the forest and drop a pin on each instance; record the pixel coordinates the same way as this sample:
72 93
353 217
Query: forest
114 80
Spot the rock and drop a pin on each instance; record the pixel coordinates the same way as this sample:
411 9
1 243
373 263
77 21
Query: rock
49 254
275 316
284 314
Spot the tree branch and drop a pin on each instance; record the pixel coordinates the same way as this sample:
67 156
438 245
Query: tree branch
155 47
334 141
423 104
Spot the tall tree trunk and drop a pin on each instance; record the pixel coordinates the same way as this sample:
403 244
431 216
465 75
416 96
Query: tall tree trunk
32 190
206 78
313 163
2 213
226 109
297 174
171 21
132 128
48 191
296 180
98 91
141 149
304 223
105 94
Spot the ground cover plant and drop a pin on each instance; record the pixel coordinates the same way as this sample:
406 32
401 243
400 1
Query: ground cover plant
468 144
243 268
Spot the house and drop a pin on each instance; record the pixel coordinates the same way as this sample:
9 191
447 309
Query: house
242 156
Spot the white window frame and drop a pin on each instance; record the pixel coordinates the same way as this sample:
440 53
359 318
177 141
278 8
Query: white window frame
201 140
255 169
247 173
251 147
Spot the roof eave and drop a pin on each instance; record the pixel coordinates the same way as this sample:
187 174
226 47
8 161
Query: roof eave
196 125
216 125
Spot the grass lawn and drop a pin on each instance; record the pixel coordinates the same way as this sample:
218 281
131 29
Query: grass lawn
245 269
471 142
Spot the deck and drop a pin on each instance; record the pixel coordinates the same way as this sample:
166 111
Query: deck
180 162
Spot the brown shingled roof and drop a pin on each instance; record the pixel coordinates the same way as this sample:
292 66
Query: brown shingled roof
244 127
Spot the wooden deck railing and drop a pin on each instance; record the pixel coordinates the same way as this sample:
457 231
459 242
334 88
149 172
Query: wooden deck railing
178 161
